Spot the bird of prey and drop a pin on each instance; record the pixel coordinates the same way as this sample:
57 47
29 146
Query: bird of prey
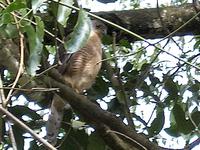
80 71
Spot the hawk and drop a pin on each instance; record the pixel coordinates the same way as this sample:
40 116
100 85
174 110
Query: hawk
80 71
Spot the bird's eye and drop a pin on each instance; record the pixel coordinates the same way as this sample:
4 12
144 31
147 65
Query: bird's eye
98 26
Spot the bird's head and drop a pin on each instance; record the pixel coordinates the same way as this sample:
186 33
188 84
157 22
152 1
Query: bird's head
99 27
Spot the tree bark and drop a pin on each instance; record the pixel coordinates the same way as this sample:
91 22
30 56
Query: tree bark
154 23
145 22
103 121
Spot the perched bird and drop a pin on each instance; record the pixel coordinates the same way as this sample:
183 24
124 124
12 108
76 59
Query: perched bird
80 71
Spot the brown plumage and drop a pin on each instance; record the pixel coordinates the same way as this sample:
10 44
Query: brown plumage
80 71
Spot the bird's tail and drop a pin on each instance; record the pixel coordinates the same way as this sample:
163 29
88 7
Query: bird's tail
55 119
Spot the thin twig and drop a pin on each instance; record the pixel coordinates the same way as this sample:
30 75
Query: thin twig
164 25
21 62
2 99
125 104
11 135
120 56
10 129
31 90
25 127
191 119
43 72
2 95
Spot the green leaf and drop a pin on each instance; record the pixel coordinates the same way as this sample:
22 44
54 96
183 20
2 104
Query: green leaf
128 67
64 12
157 124
120 97
170 86
18 133
125 43
197 45
80 34
20 111
95 142
16 5
51 49
35 39
99 89
34 145
77 124
107 39
6 18
194 87
36 4
39 28
184 126
172 130
179 114
195 117
9 31
76 139
114 106
142 63
154 80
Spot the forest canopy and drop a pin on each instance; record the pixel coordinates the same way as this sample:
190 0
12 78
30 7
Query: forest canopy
146 95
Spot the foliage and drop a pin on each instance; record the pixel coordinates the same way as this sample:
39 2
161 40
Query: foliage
135 78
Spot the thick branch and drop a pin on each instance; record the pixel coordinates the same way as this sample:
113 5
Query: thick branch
94 115
147 23
9 51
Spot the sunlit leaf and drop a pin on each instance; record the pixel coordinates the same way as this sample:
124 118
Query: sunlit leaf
64 11
125 43
140 64
39 28
51 49
35 38
16 5
6 18
81 32
77 124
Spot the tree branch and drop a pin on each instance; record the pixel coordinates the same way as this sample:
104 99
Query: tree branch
146 22
97 117
25 127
